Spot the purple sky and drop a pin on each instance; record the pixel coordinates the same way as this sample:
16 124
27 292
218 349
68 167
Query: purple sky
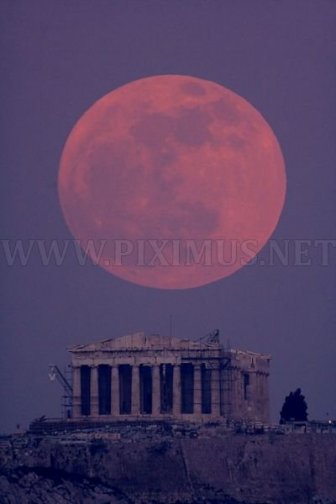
59 57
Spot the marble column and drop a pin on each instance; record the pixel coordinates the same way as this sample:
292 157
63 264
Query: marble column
252 395
197 389
115 399
76 392
177 390
156 391
215 392
266 401
94 391
135 390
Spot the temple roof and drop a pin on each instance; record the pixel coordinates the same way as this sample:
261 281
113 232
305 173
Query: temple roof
141 341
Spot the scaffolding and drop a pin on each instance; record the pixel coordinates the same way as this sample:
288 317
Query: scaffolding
226 386
221 361
64 379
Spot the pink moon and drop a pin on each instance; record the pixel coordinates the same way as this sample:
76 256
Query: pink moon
172 182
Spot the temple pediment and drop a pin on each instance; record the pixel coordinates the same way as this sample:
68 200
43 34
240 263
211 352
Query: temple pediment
141 341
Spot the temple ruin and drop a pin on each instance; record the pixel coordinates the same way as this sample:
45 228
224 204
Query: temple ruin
140 376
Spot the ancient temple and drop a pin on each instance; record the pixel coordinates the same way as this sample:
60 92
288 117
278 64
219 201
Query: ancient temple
140 376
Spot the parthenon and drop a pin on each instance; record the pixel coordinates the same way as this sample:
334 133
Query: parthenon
140 376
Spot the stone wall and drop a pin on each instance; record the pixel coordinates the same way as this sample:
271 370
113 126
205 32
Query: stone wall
170 466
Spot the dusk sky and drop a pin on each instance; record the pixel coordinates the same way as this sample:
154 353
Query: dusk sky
61 56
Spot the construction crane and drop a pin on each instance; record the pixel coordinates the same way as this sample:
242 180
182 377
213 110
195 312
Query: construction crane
55 374
212 337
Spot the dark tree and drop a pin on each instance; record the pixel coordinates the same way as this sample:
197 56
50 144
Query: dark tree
294 408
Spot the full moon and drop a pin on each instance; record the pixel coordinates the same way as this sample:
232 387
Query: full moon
172 182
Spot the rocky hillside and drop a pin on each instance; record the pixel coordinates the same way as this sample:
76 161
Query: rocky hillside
151 468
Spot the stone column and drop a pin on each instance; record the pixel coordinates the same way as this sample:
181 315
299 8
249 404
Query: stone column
94 391
76 392
266 401
135 408
252 396
115 400
177 390
237 409
215 392
197 389
156 391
